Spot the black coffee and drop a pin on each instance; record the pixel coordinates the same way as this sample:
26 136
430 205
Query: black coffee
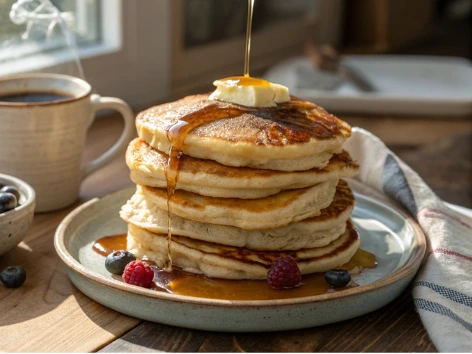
32 97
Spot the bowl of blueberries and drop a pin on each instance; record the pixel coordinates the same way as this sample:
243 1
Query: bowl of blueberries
17 202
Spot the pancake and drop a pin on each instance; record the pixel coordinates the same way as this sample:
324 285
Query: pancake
228 262
251 214
294 136
313 232
209 178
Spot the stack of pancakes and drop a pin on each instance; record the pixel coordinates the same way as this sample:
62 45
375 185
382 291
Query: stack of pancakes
253 184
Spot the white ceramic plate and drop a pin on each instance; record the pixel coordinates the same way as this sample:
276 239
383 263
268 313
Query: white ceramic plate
394 238
436 86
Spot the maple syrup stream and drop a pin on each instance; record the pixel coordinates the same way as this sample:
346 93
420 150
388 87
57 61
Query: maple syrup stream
250 9
177 133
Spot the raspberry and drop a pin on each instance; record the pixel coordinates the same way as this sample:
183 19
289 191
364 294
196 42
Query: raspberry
284 273
138 273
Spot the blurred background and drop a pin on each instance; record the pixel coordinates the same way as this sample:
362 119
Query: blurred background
151 51
148 51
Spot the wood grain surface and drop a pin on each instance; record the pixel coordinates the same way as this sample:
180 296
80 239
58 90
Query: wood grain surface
49 314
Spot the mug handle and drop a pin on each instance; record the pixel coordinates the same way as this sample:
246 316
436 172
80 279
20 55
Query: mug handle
122 107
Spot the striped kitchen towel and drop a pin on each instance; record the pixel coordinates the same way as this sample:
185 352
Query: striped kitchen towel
442 289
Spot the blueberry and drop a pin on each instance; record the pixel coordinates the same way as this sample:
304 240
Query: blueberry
117 260
338 278
11 190
13 276
7 202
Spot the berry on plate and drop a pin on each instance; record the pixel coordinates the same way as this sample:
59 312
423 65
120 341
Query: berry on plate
138 273
338 278
284 273
117 260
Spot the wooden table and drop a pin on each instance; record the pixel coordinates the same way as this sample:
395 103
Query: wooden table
49 314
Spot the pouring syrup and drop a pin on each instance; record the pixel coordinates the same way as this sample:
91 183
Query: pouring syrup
177 133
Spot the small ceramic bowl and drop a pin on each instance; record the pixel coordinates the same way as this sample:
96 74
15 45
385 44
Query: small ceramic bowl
15 223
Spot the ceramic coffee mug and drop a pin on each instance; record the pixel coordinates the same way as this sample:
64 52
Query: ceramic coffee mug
44 120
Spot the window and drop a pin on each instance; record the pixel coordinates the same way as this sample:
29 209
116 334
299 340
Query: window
124 47
38 31
208 21
143 52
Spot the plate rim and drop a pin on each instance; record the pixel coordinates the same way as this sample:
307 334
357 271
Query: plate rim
411 266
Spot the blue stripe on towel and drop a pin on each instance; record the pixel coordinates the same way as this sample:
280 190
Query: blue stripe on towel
448 293
426 305
396 186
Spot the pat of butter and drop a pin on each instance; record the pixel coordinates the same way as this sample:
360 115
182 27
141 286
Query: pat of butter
248 91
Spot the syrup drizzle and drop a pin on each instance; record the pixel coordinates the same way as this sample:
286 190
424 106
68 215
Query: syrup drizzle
176 135
291 122
179 131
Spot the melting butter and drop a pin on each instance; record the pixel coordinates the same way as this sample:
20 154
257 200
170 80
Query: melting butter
249 91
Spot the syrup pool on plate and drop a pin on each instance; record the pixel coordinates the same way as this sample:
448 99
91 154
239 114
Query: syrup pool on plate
183 283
